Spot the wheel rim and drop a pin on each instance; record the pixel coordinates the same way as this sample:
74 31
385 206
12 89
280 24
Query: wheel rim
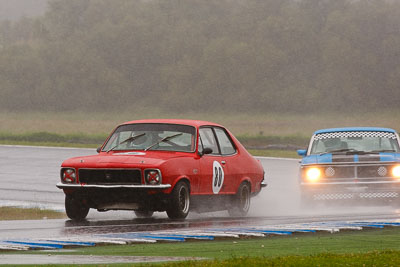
184 199
245 199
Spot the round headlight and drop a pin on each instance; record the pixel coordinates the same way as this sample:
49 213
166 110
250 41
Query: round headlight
396 171
313 174
68 175
153 177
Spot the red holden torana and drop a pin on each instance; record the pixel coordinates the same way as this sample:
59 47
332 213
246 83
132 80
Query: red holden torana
163 165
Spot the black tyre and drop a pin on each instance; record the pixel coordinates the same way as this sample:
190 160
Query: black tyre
241 201
144 213
75 207
179 202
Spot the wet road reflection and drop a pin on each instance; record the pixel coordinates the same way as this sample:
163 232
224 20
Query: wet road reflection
34 182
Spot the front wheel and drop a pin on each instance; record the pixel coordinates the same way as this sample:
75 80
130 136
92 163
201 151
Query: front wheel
75 208
241 201
179 202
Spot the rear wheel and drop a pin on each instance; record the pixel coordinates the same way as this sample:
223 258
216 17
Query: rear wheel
143 213
179 202
75 208
241 201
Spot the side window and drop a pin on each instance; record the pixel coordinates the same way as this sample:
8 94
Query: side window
225 142
200 145
208 139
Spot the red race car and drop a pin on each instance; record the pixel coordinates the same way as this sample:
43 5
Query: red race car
163 165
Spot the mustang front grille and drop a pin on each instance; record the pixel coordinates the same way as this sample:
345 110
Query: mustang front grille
345 173
110 176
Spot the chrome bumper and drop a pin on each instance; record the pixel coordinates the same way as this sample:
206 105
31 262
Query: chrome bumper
67 186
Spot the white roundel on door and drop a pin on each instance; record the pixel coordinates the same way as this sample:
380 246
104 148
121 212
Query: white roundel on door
218 177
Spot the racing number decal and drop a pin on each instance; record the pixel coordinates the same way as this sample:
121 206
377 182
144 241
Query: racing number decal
218 177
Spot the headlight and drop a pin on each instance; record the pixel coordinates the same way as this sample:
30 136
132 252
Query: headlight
152 177
68 175
313 174
396 171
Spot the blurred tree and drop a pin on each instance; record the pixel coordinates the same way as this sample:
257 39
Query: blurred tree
179 55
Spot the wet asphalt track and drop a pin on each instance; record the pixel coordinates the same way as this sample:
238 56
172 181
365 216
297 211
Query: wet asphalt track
28 176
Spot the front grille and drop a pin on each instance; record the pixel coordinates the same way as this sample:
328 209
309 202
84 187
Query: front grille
339 172
373 171
347 172
110 176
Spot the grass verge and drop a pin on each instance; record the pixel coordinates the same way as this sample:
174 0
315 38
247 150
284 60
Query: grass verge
14 213
375 258
288 143
376 247
274 153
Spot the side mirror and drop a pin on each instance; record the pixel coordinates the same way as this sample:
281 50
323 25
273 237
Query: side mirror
98 149
206 150
302 152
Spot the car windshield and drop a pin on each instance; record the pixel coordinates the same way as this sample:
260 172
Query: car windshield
152 136
354 142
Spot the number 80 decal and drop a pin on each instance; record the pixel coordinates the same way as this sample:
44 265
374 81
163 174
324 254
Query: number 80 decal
218 177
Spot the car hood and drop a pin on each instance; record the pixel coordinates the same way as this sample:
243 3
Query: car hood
122 159
352 158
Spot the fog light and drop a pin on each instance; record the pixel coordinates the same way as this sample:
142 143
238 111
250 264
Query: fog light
396 171
313 174
153 177
68 175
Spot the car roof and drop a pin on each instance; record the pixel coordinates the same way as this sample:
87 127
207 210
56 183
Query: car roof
196 123
355 129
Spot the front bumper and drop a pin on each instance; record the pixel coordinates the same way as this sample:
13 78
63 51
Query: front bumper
351 190
120 197
81 186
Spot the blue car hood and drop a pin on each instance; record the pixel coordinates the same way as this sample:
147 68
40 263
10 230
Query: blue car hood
343 158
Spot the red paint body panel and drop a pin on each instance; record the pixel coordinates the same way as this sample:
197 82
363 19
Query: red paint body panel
195 168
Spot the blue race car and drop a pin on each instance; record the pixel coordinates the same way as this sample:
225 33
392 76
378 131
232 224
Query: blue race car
357 163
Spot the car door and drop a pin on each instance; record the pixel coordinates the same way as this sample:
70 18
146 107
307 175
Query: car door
211 165
215 175
229 160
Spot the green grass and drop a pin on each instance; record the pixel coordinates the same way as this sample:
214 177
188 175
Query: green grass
94 141
376 247
272 246
240 124
53 138
274 153
15 213
258 132
375 258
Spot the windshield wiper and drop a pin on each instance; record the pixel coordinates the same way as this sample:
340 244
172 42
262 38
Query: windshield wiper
343 150
383 150
162 140
126 140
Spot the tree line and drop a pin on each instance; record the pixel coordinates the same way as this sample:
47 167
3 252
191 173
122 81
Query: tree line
216 55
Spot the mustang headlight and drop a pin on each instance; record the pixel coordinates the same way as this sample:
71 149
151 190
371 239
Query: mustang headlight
313 174
152 177
396 171
68 175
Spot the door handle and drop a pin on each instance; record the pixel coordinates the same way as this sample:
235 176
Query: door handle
223 162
